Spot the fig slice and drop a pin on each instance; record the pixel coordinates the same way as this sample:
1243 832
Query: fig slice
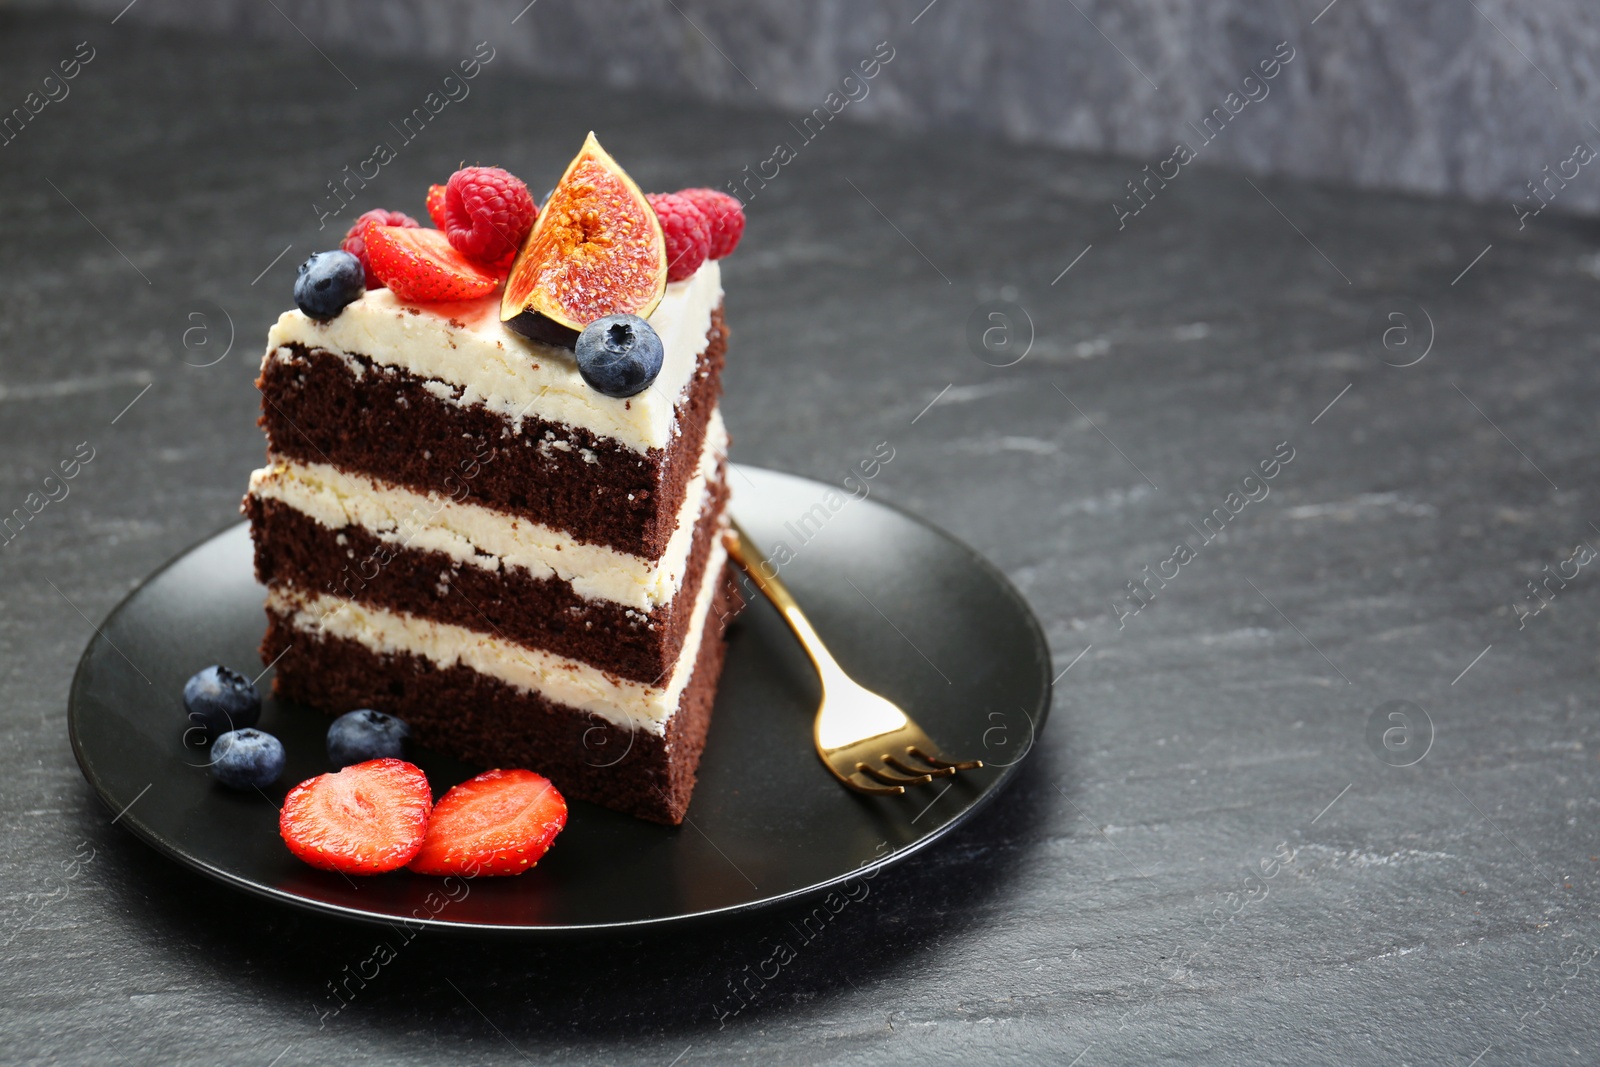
596 249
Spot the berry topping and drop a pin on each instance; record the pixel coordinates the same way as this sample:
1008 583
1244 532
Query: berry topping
327 283
500 822
366 819
487 214
420 266
355 241
619 355
436 205
247 759
687 231
358 736
219 699
725 215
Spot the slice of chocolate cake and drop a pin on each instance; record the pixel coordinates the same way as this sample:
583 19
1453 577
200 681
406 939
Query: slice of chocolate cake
458 526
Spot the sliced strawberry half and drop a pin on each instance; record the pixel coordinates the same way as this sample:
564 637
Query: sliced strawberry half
421 267
500 822
366 819
436 195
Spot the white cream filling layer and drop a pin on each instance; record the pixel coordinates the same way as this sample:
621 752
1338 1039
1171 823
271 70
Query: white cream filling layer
493 540
556 678
466 347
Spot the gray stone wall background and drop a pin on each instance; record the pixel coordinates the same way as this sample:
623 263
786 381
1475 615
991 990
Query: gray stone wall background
1471 98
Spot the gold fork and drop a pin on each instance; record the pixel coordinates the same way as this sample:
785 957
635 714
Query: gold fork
859 734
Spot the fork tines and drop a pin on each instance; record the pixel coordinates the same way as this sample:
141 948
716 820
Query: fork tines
930 767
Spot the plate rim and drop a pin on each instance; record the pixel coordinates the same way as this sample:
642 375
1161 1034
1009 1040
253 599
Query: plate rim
675 921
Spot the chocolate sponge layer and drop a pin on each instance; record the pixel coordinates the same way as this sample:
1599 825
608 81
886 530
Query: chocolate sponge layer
294 549
385 422
479 719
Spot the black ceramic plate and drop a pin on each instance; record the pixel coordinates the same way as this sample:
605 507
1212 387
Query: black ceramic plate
907 611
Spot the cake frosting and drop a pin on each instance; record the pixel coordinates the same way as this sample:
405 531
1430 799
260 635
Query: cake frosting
472 359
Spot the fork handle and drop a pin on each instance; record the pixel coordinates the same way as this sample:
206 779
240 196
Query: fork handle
743 551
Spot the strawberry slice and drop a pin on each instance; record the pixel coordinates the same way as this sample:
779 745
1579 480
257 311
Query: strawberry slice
500 822
436 205
366 819
420 266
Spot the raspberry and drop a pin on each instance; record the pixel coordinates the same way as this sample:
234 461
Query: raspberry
687 232
724 214
487 214
356 244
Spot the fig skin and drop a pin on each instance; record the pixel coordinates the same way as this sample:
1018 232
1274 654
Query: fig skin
542 328
596 249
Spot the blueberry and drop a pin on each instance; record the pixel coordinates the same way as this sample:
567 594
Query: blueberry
358 736
219 699
619 355
327 282
247 759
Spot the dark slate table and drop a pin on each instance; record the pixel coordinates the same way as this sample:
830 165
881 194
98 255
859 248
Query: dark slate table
1214 855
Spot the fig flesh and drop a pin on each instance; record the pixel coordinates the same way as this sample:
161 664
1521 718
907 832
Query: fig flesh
596 249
